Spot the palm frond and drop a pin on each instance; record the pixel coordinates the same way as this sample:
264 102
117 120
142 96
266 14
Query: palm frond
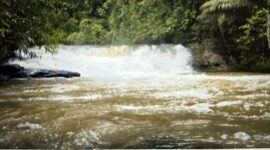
214 6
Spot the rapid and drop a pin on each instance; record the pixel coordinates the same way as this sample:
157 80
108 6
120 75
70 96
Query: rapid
140 96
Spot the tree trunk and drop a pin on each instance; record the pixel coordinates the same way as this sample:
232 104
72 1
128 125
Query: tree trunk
268 28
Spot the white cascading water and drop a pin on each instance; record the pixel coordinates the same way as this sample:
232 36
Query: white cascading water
114 62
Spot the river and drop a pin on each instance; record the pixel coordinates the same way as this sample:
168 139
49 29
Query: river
133 97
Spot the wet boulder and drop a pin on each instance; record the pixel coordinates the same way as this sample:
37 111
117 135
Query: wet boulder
10 71
205 57
43 73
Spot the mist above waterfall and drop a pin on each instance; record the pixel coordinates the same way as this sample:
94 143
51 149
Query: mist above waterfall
114 62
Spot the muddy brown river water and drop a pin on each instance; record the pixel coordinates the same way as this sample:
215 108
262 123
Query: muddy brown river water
218 110
145 96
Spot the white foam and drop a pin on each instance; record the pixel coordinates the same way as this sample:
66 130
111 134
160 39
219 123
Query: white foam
201 108
29 125
266 114
224 136
197 108
246 107
137 108
253 96
195 93
262 137
115 62
267 138
61 89
87 138
62 98
228 103
242 136
252 79
73 98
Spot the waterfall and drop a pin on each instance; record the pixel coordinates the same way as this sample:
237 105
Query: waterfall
114 62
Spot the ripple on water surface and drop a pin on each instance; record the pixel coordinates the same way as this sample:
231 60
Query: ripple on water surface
126 99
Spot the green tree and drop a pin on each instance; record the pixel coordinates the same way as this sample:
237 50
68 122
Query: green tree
25 24
140 21
226 18
252 43
224 14
221 12
91 32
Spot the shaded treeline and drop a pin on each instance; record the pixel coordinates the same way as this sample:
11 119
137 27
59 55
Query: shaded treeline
237 27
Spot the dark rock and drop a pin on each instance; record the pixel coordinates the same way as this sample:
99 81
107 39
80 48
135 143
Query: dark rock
206 59
15 71
54 73
3 77
10 69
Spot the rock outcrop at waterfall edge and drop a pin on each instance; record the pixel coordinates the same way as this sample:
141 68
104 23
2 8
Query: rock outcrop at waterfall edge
10 71
206 59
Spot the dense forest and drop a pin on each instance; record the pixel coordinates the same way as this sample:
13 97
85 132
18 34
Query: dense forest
238 28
